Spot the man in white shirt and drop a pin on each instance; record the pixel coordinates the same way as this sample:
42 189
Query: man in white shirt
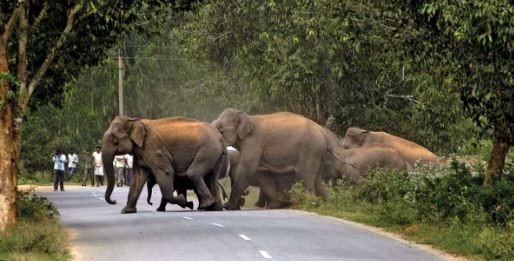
59 160
129 161
73 159
99 166
119 167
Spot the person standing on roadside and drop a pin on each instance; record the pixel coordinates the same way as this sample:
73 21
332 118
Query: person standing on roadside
129 159
119 167
88 168
99 166
73 160
59 160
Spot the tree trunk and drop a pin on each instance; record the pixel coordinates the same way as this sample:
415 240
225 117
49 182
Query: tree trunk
8 151
501 139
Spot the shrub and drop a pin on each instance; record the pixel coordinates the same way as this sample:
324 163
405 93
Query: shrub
37 235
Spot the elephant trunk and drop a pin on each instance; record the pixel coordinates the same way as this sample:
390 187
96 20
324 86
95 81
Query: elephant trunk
107 159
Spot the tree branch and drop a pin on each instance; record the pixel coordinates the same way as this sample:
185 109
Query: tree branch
22 37
51 54
9 26
40 17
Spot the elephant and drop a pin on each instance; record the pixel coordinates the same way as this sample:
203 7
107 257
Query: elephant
181 185
352 164
166 148
282 142
410 151
272 187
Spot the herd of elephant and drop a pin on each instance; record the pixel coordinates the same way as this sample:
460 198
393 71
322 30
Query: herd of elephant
273 151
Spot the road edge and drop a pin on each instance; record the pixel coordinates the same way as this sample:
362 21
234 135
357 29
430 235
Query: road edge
395 236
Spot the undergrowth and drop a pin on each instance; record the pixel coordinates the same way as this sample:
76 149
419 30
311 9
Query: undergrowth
446 207
37 235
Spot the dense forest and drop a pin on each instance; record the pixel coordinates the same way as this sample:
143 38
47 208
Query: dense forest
344 60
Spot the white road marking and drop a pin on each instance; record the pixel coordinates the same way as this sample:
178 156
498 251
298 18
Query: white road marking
190 218
244 237
265 254
218 225
101 198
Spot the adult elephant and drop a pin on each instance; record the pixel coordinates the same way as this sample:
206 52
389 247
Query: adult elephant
410 151
280 141
165 148
352 164
273 184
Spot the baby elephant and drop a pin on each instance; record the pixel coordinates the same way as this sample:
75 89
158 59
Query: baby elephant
273 183
352 164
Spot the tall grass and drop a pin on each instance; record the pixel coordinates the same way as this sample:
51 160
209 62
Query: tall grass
447 207
38 234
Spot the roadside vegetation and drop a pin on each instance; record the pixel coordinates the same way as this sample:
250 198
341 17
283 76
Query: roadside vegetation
38 235
446 207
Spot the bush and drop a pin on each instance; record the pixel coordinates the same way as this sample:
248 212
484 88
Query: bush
445 206
37 235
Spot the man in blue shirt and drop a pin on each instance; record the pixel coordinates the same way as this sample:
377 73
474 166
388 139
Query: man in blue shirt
59 159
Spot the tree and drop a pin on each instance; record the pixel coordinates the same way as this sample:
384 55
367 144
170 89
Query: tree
45 43
358 61
480 35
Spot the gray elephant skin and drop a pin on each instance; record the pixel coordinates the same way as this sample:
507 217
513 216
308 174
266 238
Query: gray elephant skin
273 186
352 164
166 148
280 141
410 151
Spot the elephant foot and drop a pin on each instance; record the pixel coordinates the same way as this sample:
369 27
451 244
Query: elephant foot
180 200
204 204
190 204
128 210
260 204
215 207
161 209
229 206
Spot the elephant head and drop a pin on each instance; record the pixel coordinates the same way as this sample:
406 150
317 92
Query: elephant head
354 137
123 136
234 126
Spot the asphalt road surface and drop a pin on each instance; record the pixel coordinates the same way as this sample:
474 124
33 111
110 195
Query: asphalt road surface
103 233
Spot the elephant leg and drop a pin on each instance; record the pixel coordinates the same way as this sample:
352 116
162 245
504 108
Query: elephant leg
140 177
261 202
197 172
182 190
212 183
244 174
162 206
309 171
166 186
321 188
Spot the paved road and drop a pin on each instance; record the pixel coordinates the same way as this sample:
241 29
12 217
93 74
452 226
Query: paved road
105 234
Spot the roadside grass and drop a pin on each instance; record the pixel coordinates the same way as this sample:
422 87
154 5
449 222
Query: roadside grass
445 207
38 234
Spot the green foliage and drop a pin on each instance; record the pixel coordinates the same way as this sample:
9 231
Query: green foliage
37 235
446 206
481 36
368 64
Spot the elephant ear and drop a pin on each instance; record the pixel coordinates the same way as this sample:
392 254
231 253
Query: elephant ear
362 136
137 132
245 126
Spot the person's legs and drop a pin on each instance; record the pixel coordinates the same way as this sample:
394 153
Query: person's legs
61 179
55 179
